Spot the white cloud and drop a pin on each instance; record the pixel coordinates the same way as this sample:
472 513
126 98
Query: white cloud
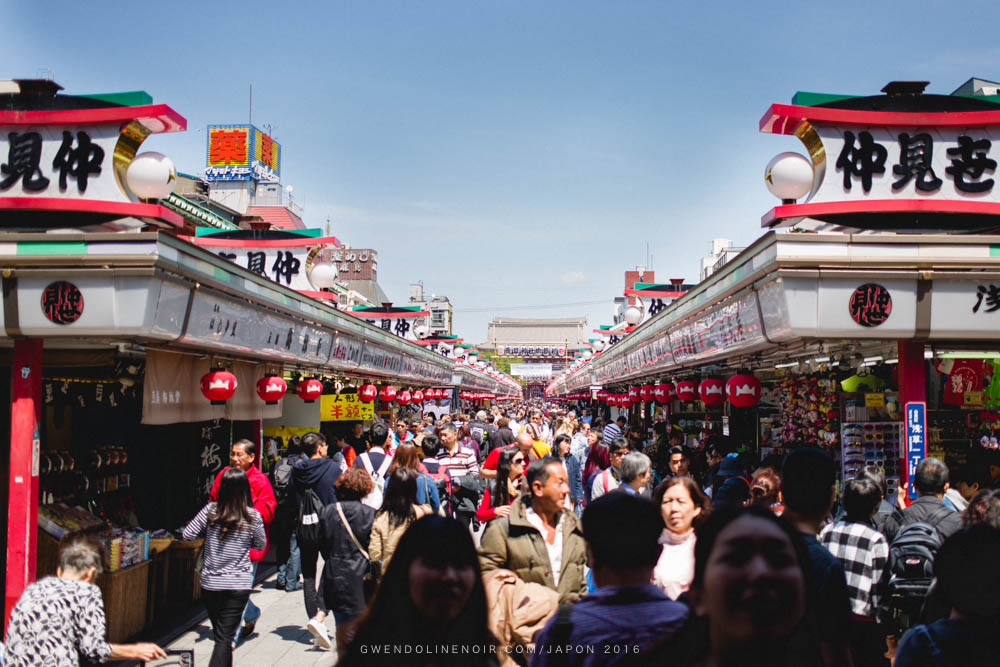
573 278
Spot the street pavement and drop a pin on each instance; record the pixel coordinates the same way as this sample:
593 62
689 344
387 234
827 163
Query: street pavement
279 638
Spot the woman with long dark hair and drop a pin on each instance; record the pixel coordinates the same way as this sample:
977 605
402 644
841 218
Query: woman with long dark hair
399 510
507 485
431 596
231 527
408 456
598 460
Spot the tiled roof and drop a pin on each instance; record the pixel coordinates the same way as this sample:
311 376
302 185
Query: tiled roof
278 216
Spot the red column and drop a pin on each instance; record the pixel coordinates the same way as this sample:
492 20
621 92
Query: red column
25 415
912 385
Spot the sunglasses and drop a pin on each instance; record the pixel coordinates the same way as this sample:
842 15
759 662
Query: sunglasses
517 460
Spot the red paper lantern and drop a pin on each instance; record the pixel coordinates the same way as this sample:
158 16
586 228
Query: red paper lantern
665 392
687 390
603 394
711 391
624 401
647 392
309 390
367 393
743 390
403 397
387 393
218 386
611 399
417 396
271 388
633 394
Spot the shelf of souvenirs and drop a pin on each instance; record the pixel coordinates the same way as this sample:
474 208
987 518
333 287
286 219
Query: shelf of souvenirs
63 479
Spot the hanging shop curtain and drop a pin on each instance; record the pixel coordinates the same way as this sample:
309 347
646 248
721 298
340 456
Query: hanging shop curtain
172 394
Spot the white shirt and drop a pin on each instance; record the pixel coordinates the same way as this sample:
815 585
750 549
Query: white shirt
555 549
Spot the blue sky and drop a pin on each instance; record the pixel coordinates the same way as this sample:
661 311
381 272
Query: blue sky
518 153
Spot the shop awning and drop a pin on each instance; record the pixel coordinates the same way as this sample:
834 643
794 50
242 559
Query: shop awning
788 290
154 289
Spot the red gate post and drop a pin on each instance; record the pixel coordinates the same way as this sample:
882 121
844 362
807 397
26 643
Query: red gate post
25 418
912 387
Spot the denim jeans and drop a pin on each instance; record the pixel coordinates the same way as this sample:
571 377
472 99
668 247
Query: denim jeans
290 568
251 612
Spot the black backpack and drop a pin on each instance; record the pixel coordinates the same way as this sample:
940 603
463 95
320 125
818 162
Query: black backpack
911 571
309 530
282 482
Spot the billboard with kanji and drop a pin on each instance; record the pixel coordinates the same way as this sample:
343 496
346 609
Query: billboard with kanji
241 153
344 407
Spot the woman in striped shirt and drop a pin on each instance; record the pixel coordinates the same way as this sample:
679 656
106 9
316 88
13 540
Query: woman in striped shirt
231 526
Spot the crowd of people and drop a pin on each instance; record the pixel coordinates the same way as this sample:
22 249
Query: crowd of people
547 536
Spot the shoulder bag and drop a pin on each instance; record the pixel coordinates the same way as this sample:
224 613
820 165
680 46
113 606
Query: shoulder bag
370 581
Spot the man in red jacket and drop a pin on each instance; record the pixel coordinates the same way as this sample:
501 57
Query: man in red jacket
243 456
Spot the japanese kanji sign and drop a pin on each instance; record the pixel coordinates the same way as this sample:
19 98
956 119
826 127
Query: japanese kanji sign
62 302
59 162
345 407
891 162
870 305
241 153
916 441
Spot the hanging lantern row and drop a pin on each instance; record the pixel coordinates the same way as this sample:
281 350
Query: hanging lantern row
219 385
742 390
475 395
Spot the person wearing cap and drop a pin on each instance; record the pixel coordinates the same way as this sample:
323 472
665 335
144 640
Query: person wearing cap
730 486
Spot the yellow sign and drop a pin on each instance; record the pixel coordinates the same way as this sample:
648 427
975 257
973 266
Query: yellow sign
973 398
286 432
344 407
875 400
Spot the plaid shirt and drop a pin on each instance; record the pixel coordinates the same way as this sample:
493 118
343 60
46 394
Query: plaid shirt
864 554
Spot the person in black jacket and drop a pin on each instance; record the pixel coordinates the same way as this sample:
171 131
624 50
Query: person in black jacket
345 557
319 474
930 481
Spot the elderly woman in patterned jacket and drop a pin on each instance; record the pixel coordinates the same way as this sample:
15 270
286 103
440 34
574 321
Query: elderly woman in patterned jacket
60 618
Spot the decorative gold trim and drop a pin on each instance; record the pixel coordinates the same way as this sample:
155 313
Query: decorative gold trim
807 134
132 136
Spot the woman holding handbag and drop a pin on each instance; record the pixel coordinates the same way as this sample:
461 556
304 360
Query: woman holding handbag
231 527
347 527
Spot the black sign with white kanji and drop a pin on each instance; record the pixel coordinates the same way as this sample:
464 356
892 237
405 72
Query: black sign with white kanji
870 305
62 302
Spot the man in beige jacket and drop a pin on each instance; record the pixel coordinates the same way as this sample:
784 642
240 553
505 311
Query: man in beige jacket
540 540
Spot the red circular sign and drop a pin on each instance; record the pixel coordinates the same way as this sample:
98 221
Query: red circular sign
870 305
62 302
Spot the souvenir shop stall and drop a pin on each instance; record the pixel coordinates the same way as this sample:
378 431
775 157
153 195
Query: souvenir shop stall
769 351
137 358
867 315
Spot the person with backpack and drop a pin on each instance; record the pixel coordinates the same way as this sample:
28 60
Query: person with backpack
376 462
286 516
930 482
314 481
966 570
864 555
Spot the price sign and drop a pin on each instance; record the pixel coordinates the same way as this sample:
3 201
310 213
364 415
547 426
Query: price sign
345 407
